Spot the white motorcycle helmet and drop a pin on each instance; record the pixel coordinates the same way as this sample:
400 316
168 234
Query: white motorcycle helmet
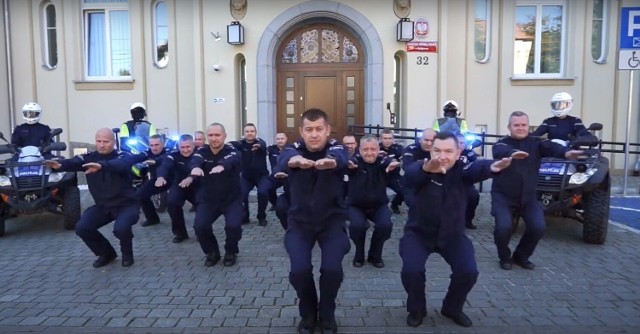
31 112
450 109
561 104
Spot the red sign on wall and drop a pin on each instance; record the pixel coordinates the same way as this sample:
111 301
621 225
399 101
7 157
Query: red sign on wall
430 47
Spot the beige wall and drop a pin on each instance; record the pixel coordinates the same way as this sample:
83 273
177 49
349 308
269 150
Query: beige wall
180 96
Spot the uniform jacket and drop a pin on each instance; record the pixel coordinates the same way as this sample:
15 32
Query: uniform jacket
273 151
30 134
413 154
518 182
175 167
316 195
111 186
394 150
221 188
148 155
439 213
368 182
561 128
254 163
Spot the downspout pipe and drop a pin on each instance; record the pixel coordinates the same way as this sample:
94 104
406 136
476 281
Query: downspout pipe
7 40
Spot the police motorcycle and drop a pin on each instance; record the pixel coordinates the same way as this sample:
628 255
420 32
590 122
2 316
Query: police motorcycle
578 189
140 171
28 186
170 140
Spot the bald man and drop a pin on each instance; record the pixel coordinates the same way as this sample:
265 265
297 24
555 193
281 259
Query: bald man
109 179
415 154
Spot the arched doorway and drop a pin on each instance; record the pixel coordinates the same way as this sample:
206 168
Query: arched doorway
320 66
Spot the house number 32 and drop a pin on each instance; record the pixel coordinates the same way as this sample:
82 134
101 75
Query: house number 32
422 60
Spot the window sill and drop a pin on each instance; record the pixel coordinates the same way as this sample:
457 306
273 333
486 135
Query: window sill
104 85
522 81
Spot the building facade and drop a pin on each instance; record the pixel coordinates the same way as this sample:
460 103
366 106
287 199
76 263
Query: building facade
86 61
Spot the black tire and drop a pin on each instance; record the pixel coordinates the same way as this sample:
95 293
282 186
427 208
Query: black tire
596 214
71 207
160 201
2 226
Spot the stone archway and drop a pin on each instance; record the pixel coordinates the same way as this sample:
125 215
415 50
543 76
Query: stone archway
289 20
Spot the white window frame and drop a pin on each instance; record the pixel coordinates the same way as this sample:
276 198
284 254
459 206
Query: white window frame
604 38
103 6
538 39
487 46
159 63
46 55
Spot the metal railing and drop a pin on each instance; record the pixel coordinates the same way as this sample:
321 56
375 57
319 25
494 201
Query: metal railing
487 139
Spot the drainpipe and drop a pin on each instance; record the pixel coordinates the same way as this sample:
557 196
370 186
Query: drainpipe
7 39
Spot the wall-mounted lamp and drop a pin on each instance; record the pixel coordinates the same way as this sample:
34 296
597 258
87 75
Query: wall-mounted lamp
392 115
235 33
404 30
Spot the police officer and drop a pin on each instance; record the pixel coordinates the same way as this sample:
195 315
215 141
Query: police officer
369 174
442 182
153 158
175 171
394 150
273 152
451 114
218 166
515 189
109 179
416 153
198 139
561 126
351 146
317 214
137 126
32 132
253 152
468 156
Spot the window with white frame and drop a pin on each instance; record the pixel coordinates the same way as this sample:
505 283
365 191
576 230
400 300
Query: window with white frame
482 30
160 34
49 36
539 39
599 31
107 39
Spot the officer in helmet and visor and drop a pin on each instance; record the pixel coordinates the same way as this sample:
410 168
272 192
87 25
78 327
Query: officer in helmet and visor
561 127
137 126
451 122
32 132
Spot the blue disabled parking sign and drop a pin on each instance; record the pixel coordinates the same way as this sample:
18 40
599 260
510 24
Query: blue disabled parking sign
629 52
630 28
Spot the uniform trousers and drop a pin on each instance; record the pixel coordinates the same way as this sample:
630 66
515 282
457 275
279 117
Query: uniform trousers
299 241
207 213
359 223
457 252
98 216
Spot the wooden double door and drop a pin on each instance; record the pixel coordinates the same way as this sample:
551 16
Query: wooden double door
338 93
320 66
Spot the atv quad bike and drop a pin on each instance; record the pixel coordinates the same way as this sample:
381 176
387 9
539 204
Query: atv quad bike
27 186
578 189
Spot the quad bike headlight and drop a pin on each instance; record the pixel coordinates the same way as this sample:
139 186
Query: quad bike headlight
56 177
580 178
4 181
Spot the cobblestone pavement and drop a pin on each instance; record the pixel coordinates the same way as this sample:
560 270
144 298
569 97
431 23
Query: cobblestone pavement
48 284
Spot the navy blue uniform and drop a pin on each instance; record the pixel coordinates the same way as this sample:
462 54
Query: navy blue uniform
412 154
395 151
317 214
273 152
468 156
561 128
112 190
175 168
367 200
30 135
148 188
254 174
218 194
437 225
515 189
